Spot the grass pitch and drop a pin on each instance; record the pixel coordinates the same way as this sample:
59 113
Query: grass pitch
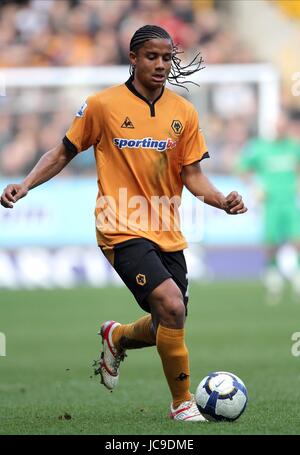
47 384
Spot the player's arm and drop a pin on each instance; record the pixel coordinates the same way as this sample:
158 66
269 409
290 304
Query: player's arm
49 165
199 185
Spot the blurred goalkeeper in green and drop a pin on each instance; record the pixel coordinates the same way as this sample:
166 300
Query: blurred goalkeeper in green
276 165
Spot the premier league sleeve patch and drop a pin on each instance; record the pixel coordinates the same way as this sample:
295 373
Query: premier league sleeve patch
80 113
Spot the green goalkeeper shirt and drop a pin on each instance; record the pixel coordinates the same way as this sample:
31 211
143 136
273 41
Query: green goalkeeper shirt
276 164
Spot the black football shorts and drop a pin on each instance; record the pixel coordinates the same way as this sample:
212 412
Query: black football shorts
143 266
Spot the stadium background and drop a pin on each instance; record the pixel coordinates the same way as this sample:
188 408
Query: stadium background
71 49
53 53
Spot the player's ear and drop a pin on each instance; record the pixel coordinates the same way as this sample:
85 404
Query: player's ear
132 58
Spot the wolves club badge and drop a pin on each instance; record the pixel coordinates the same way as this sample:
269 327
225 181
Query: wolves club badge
141 279
177 126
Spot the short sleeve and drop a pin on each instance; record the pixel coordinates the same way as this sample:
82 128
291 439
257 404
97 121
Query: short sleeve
85 128
195 148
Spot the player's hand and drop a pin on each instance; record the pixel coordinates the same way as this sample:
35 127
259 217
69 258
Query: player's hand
234 204
12 193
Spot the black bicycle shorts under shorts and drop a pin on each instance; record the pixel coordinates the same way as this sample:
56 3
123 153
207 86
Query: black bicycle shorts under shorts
143 266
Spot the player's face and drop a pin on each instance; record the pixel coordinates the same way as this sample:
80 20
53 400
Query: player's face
152 63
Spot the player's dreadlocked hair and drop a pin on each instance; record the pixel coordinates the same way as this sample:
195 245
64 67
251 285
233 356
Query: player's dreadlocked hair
178 71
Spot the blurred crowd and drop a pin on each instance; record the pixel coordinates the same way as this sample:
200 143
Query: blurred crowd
97 32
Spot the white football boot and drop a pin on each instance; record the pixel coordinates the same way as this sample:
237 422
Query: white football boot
187 411
108 366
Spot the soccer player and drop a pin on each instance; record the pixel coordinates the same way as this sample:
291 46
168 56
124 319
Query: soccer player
276 164
147 146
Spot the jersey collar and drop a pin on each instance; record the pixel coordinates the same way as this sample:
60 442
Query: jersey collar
132 88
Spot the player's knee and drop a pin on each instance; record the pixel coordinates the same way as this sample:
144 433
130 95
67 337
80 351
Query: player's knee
173 315
169 308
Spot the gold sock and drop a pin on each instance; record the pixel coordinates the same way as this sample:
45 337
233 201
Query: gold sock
138 334
175 359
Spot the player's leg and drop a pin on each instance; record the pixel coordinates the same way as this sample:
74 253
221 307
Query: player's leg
169 309
272 279
139 266
168 313
138 334
295 279
293 236
147 273
168 304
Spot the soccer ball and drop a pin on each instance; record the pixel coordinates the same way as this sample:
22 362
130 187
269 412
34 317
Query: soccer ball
221 396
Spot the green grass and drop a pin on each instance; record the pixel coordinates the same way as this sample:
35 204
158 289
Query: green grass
51 342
